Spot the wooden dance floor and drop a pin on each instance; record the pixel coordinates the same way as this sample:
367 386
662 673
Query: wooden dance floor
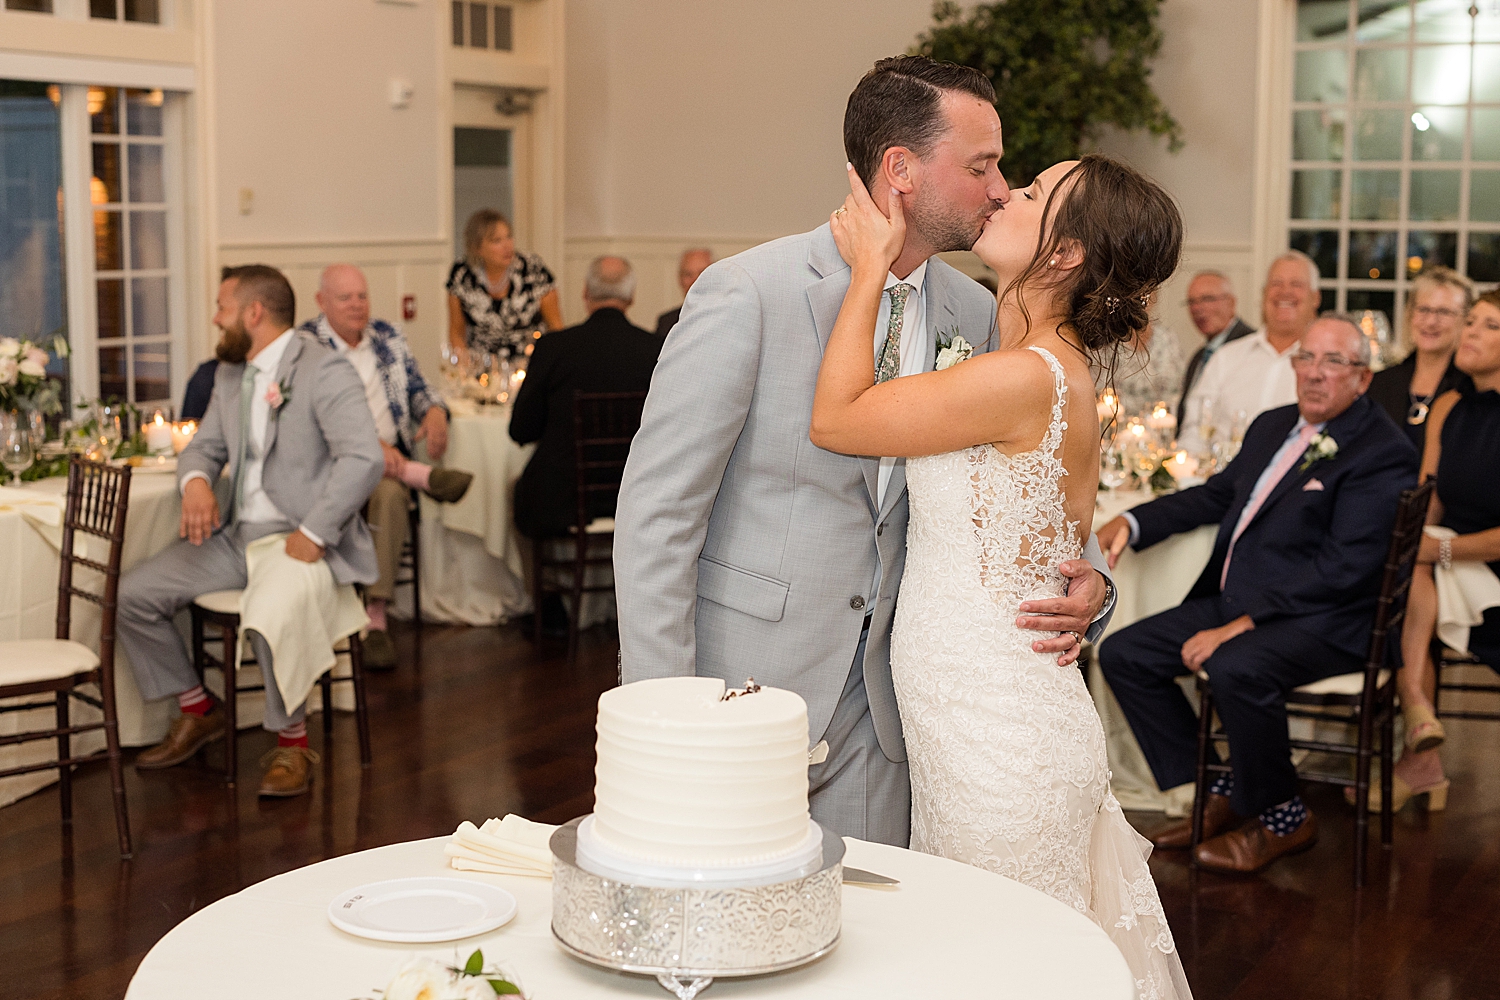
478 724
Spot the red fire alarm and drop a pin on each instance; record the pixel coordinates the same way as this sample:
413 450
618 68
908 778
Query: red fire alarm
408 307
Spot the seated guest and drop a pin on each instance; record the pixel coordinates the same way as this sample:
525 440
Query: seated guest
199 388
605 353
498 296
1254 374
693 263
288 419
399 401
1147 370
1435 309
1212 304
1305 514
1463 451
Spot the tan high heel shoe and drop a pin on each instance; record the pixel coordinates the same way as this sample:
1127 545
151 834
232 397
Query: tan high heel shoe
1423 730
1402 793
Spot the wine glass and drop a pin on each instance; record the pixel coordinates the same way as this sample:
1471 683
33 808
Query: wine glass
110 432
1113 469
16 451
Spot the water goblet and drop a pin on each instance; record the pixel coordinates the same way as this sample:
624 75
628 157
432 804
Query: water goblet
16 451
1113 470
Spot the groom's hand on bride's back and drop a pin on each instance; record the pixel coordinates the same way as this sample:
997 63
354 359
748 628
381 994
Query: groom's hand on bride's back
1070 616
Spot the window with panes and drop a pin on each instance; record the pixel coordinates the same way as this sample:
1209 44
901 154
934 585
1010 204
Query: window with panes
1395 145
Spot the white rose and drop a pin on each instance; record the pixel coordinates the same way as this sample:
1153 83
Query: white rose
30 367
470 988
34 353
422 979
7 370
946 358
10 347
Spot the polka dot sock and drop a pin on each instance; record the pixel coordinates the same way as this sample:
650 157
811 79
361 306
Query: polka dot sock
1285 818
1223 785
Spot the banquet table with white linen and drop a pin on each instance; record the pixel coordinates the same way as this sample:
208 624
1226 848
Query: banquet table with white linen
471 555
948 930
1146 583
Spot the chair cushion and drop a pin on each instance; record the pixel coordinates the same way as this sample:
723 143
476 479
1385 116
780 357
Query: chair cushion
224 602
598 526
1348 684
26 661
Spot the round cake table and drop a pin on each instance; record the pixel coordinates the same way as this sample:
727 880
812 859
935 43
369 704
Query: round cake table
947 930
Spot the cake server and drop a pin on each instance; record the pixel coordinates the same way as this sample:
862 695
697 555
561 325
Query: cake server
858 876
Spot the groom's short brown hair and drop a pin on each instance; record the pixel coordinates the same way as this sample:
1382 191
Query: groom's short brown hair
899 103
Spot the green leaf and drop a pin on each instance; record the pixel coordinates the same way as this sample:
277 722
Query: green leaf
503 988
475 964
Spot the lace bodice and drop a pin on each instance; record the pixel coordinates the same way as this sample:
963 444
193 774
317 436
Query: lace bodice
1008 765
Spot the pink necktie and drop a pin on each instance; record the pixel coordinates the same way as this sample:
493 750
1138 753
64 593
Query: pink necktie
1278 472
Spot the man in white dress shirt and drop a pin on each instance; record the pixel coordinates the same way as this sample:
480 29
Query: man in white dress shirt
1254 374
307 464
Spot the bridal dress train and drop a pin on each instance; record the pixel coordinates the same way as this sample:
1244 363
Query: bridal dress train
1008 766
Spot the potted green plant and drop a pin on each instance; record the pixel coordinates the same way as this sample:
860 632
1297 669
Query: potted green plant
1062 70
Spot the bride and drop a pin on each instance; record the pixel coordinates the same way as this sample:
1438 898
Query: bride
1008 767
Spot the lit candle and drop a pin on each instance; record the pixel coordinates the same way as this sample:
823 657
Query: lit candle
1109 406
182 434
1181 465
1161 418
158 435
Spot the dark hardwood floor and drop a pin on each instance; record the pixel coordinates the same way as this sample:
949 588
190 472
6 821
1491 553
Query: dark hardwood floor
475 724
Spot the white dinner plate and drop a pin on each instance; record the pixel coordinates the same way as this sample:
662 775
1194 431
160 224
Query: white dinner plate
418 910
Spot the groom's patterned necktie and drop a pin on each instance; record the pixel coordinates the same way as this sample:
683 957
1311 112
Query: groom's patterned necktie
889 365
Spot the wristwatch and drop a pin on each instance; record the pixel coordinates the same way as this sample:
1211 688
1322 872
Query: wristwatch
1109 598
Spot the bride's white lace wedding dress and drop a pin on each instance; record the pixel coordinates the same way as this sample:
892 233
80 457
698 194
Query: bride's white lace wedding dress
1008 766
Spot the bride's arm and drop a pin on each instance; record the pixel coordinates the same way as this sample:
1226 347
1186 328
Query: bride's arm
923 414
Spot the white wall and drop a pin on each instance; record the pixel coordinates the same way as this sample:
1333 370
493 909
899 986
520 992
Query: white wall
721 124
301 117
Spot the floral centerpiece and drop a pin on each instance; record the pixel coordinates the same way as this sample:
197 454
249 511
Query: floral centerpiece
24 384
428 979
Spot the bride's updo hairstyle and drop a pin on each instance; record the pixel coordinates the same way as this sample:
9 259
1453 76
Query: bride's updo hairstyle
1130 233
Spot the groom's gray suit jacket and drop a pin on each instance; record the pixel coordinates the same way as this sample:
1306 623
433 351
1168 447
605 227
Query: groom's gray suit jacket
742 549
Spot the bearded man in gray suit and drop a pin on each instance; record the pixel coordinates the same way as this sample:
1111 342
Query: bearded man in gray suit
288 418
741 548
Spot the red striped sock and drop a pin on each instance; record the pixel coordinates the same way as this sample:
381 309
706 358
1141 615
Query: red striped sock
294 735
195 701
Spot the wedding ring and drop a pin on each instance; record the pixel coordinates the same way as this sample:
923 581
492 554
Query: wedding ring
1076 637
840 211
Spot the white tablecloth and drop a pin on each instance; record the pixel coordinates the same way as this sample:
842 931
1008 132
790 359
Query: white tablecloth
1147 583
948 930
28 610
472 572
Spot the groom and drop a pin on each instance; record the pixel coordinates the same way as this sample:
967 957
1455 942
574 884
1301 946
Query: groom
741 549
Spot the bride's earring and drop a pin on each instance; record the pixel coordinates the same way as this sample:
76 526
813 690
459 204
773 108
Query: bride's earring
1052 262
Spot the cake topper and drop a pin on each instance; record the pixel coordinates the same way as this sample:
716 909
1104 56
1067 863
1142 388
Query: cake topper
750 688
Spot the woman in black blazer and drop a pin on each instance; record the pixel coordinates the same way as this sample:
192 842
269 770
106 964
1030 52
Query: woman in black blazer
1435 310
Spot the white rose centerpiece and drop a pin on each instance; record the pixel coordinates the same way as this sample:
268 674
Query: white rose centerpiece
24 384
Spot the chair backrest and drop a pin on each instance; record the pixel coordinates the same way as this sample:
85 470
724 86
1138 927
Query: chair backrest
1400 559
603 425
98 498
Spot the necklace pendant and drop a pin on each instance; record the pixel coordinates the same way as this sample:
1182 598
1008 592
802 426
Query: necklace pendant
1417 414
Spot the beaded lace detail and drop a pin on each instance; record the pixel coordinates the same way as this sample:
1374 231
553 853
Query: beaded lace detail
1008 764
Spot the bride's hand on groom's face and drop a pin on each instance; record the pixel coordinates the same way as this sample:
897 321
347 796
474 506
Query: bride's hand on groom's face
868 238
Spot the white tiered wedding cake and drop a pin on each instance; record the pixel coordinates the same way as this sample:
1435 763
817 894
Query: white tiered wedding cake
695 786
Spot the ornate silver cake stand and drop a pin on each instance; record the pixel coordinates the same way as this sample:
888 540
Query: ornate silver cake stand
689 936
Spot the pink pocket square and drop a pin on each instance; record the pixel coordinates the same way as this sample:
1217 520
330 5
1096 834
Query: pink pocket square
1312 485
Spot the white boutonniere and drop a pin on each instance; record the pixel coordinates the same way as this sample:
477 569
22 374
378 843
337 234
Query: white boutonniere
951 349
277 395
1321 448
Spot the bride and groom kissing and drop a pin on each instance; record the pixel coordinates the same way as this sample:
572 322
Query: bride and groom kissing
800 462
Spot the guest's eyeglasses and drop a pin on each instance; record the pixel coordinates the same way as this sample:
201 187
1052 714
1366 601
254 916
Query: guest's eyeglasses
1334 364
1427 312
1204 300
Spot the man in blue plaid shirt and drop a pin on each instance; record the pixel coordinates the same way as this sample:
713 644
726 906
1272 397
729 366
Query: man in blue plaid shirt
405 410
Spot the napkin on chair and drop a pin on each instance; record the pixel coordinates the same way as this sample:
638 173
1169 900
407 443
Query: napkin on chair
1464 592
509 846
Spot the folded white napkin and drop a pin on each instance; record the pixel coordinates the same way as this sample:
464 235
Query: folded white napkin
509 846
1464 592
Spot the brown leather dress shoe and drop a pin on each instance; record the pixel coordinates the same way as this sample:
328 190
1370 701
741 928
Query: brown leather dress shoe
1253 847
448 485
1217 817
189 734
288 772
379 651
